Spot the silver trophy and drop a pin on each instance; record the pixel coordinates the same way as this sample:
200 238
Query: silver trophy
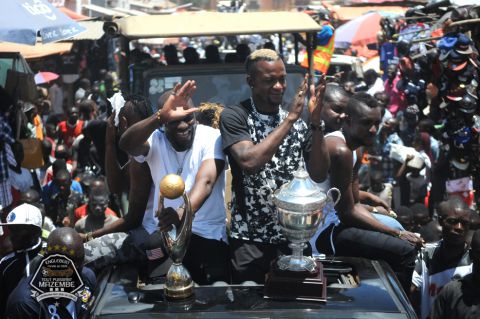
299 210
179 283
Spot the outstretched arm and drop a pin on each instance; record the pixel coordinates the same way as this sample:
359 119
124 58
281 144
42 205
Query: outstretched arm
134 140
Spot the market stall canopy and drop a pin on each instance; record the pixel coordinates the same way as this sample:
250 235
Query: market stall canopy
98 11
94 31
214 23
23 20
37 51
358 32
349 13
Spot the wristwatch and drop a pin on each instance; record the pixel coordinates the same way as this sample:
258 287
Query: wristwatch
89 236
318 126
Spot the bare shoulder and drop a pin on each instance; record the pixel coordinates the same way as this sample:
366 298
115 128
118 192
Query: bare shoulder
338 150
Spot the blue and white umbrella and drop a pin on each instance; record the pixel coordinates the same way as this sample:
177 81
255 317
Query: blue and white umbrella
23 20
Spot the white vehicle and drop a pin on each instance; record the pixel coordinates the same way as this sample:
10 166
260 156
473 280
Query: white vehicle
346 63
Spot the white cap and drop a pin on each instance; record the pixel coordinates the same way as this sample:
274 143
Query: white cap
118 102
24 214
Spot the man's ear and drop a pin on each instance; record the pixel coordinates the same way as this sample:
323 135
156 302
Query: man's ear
348 119
122 123
250 81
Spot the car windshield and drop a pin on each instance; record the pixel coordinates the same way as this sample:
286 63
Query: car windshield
223 85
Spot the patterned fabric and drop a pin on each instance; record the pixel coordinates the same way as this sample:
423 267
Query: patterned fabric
257 221
106 250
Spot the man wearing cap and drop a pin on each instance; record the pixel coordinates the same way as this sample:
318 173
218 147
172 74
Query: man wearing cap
25 226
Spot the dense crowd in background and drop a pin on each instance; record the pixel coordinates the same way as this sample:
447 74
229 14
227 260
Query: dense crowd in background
423 164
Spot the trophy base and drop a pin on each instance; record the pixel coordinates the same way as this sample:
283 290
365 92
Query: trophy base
296 285
178 283
179 294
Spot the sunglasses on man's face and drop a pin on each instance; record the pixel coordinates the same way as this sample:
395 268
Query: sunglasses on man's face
455 221
187 119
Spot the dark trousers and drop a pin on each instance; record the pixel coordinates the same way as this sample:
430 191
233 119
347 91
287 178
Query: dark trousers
251 260
356 242
207 260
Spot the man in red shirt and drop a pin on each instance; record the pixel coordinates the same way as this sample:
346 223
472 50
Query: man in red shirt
96 213
71 128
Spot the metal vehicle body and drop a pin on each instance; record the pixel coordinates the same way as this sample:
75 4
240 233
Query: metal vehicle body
357 288
205 24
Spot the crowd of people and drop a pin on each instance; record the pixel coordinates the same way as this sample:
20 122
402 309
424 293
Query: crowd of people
401 149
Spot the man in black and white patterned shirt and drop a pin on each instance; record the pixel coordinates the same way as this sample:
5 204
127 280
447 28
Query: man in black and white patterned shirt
265 145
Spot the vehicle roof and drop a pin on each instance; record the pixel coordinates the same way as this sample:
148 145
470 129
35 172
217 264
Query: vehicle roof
214 23
378 295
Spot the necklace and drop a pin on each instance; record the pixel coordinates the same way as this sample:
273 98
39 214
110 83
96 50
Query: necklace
271 120
182 162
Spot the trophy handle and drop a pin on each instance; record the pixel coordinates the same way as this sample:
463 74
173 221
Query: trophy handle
330 197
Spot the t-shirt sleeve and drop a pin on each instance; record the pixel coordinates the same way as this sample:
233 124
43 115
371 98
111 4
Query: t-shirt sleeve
146 158
233 126
213 150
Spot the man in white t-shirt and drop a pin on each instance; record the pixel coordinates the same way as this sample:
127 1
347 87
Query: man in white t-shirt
171 142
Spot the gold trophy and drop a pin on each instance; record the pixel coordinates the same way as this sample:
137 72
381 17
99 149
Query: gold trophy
179 283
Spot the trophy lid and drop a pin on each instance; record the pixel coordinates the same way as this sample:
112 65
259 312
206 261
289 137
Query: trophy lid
300 194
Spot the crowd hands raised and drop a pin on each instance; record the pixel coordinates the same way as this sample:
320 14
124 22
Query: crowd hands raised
101 176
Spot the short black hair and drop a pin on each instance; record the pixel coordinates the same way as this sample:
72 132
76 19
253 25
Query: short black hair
370 73
138 105
452 203
357 101
404 211
333 91
419 209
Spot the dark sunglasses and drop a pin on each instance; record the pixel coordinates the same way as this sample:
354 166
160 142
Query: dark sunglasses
187 119
454 221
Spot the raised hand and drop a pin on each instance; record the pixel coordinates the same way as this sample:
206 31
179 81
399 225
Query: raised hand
176 106
315 103
169 217
296 107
